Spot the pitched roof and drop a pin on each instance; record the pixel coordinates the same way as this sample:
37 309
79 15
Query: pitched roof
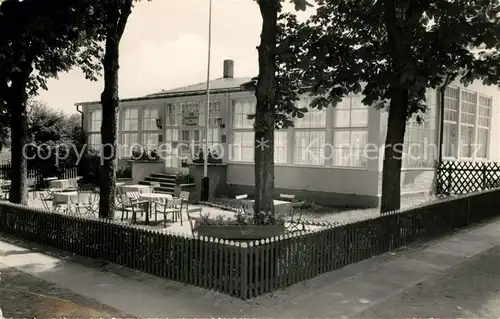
217 84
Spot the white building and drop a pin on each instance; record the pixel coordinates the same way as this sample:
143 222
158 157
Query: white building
330 155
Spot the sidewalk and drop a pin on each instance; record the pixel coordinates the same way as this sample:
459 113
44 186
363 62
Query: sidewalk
397 284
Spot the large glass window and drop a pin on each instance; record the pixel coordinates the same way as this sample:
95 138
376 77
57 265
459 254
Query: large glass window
280 146
242 147
467 123
95 142
483 129
95 121
129 142
309 147
349 147
350 132
420 147
131 119
149 118
450 128
351 112
240 111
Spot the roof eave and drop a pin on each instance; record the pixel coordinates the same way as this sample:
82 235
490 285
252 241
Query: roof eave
170 95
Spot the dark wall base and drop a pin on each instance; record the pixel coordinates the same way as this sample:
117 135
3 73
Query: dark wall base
324 198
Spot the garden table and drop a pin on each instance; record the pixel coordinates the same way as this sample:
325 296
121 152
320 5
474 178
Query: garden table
59 184
136 188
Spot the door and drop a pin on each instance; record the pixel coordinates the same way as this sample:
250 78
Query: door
190 139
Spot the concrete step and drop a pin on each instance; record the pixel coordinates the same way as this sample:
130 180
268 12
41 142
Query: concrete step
159 179
163 175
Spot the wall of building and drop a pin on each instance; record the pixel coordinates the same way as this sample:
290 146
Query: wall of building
420 180
339 187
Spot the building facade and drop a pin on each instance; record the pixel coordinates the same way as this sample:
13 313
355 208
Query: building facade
332 155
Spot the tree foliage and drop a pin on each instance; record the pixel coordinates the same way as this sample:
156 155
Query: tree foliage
398 49
44 38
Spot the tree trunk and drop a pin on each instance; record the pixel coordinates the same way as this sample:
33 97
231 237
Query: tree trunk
110 102
393 151
19 131
264 115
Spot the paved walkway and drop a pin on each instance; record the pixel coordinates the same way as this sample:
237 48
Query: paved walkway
457 276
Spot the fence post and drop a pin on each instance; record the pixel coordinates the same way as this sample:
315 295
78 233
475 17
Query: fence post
485 180
244 271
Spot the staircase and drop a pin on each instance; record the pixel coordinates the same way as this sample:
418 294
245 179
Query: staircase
167 182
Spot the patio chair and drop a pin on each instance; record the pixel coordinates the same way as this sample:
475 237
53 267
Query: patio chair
171 206
32 186
131 205
85 201
45 201
295 221
184 196
59 203
241 204
194 215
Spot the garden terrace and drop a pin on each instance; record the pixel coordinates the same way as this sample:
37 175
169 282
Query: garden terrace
245 269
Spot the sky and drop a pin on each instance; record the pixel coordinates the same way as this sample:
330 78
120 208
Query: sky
165 46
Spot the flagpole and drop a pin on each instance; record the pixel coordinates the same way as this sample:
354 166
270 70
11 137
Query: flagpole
205 182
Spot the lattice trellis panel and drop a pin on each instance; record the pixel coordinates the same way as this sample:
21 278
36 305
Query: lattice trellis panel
464 177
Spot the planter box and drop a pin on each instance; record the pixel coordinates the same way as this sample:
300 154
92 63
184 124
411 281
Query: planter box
240 232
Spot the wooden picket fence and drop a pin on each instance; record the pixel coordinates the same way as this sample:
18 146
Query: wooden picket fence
66 173
245 269
465 177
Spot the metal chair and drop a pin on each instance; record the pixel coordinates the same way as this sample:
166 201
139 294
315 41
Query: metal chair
172 206
131 205
184 196
241 204
32 186
193 219
45 201
295 222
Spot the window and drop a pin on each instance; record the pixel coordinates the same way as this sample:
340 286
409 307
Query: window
309 147
483 129
467 123
450 127
280 146
349 148
350 132
171 116
95 121
242 147
131 119
129 142
95 142
351 112
420 141
214 133
241 110
150 141
149 118
314 118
